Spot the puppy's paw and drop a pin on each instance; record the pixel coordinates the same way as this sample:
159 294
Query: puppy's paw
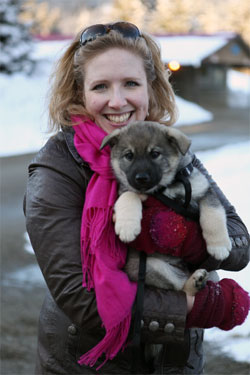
127 230
200 278
221 250
196 282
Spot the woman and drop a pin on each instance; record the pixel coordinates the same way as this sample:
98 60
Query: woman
110 76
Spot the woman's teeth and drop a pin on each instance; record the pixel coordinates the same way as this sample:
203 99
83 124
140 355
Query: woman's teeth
118 119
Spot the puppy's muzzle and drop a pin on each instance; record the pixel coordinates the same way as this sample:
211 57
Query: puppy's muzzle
143 181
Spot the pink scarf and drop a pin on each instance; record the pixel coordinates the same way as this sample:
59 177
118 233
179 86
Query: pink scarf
103 255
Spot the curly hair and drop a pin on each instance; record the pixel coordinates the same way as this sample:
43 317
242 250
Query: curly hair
67 96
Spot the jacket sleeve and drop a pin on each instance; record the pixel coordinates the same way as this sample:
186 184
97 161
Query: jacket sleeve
53 208
239 255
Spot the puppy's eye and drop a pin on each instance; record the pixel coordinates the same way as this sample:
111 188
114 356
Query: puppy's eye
129 155
154 154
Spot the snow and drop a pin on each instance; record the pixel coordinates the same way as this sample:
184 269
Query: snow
23 130
23 103
191 113
238 82
189 49
239 88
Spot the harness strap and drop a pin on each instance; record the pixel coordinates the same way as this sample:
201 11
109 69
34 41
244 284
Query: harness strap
138 312
188 189
183 177
177 207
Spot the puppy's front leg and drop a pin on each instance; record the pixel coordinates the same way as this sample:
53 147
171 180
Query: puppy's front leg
128 215
214 227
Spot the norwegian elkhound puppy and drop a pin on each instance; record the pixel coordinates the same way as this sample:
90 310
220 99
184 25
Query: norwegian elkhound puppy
145 157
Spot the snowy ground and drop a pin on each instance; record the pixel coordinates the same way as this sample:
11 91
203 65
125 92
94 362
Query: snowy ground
23 130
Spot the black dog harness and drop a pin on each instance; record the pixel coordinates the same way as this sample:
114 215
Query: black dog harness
181 176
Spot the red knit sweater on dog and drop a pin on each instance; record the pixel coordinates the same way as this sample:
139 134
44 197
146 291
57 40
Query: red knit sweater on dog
223 304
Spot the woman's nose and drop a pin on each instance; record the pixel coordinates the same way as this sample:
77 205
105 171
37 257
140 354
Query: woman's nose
117 99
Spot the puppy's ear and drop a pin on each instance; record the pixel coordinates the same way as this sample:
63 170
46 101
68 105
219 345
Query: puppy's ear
110 139
179 139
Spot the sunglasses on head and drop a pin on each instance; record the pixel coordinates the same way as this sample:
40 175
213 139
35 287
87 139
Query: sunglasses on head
127 29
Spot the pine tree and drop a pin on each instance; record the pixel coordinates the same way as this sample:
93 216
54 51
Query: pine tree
15 41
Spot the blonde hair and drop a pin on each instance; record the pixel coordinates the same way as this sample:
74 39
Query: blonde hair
66 95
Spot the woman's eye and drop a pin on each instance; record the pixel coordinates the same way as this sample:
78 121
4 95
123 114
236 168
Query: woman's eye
129 155
100 86
154 154
131 83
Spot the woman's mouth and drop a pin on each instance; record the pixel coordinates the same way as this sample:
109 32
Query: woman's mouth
119 119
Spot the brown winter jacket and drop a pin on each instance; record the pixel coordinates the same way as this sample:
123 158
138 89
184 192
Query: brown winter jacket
69 322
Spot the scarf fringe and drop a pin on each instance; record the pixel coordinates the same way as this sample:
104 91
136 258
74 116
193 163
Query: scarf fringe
110 345
98 227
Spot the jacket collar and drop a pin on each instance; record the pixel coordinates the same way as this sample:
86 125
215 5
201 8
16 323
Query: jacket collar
68 132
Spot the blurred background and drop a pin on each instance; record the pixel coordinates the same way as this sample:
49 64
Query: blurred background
205 45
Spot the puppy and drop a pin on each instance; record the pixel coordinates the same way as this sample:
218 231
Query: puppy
145 157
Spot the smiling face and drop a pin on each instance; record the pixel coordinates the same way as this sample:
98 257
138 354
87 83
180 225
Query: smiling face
116 89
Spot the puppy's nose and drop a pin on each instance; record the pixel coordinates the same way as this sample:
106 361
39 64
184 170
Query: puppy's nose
142 178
